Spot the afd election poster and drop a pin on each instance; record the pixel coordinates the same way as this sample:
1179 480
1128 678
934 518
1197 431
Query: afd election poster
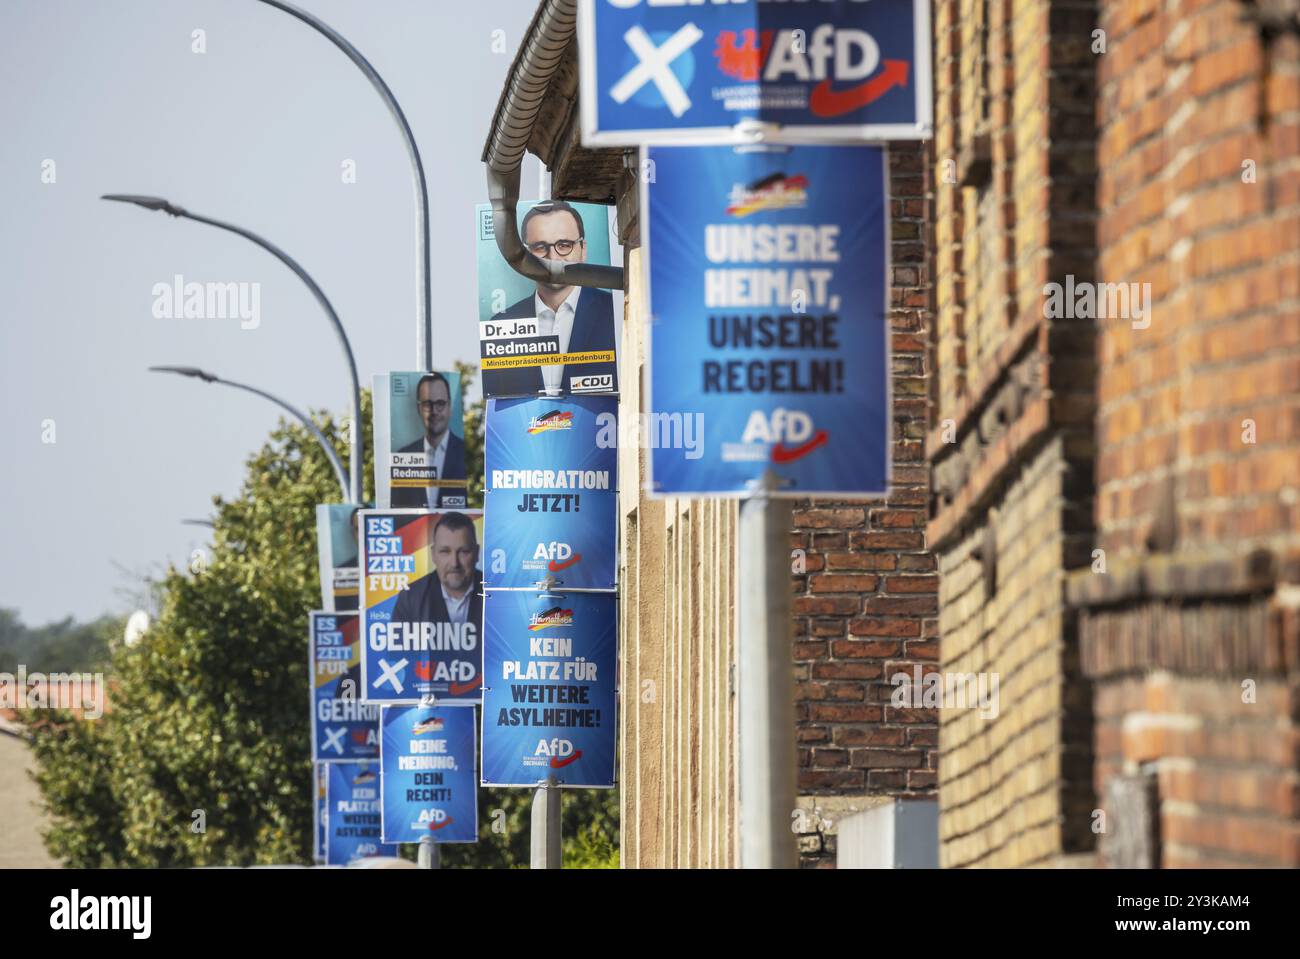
551 497
549 663
320 776
419 441
428 786
769 300
422 605
342 726
336 554
663 71
352 814
539 337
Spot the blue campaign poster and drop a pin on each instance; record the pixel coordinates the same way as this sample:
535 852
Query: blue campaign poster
549 664
429 785
769 287
342 726
352 814
421 605
521 351
551 499
336 552
320 776
658 71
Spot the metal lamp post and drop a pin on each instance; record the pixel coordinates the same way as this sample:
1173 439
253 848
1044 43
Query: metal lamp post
351 494
330 452
424 328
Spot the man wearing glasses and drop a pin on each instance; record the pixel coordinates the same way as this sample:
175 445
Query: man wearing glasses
443 449
582 318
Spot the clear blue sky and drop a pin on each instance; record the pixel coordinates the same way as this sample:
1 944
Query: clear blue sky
254 131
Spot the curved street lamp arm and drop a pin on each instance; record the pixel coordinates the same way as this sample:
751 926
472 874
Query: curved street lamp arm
306 421
333 456
325 304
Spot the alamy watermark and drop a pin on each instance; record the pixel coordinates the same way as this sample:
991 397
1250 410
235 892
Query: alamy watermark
179 300
946 691
84 691
75 913
653 431
1084 300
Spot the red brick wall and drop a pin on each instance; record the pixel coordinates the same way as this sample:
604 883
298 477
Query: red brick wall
1181 111
866 605
1199 196
1011 442
1226 795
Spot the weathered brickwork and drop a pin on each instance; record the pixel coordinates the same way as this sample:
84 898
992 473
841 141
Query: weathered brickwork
1152 149
1011 443
866 601
866 593
1224 768
1015 787
1191 635
1200 198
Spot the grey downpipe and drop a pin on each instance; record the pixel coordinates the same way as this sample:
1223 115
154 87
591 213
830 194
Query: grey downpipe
551 33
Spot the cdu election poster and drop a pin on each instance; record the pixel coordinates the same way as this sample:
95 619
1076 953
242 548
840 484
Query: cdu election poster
419 441
549 662
352 814
336 553
422 605
320 777
342 726
429 787
769 298
540 337
551 497
656 71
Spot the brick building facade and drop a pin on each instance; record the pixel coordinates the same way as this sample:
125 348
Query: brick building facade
865 589
1115 485
1192 639
1096 275
866 604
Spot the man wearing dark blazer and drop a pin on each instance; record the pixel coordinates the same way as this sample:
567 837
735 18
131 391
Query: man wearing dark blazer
581 317
445 450
453 593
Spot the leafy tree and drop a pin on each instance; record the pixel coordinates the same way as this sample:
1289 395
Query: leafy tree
66 646
204 758
73 771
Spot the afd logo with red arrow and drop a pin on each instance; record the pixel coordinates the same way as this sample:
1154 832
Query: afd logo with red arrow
789 433
460 676
558 556
845 64
560 752
435 818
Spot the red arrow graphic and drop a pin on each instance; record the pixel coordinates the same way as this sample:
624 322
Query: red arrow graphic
457 688
826 102
788 454
558 763
555 567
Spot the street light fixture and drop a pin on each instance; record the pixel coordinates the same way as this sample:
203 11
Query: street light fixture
350 493
196 373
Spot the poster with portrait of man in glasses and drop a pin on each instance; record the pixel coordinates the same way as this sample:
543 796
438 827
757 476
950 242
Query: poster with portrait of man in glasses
419 441
547 338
